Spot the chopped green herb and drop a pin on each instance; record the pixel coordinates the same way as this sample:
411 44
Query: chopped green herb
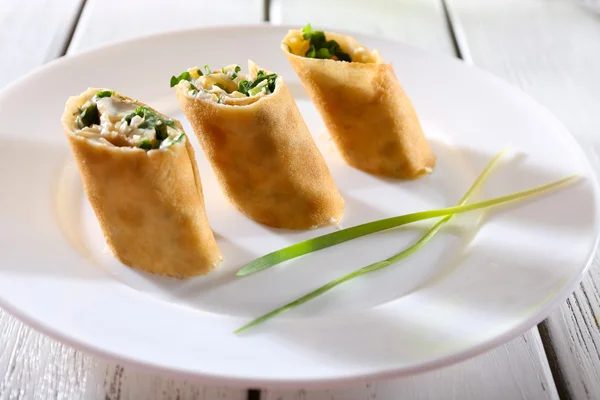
199 71
105 93
382 264
145 144
244 86
341 236
323 53
255 90
343 56
89 116
151 120
235 72
171 140
270 78
307 31
184 76
207 69
322 48
219 99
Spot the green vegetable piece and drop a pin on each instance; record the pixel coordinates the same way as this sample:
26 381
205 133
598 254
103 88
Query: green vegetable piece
88 116
105 93
199 71
307 31
343 56
322 48
169 141
207 69
323 53
219 99
184 76
236 70
145 144
244 86
380 264
344 235
255 90
270 78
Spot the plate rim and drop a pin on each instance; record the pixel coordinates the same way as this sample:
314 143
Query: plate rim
390 373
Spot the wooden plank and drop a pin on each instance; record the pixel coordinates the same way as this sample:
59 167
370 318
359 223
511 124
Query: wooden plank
32 33
517 370
551 50
155 17
419 23
105 21
511 372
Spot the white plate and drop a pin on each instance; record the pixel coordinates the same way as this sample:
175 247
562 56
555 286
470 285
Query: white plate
450 301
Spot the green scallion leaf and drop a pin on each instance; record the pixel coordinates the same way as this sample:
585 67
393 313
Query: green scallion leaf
168 142
307 31
89 116
145 144
105 93
343 56
323 53
184 76
384 263
236 71
207 69
322 48
244 86
199 71
344 235
255 90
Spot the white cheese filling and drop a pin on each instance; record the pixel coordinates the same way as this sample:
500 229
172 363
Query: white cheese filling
223 85
115 129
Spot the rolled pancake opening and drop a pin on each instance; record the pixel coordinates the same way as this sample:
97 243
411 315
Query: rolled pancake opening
370 118
139 174
259 147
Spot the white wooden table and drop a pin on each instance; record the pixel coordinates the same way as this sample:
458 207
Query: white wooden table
549 48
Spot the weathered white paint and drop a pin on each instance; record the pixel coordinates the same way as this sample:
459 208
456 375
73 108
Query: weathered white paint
518 370
551 50
513 371
106 21
420 23
32 33
546 47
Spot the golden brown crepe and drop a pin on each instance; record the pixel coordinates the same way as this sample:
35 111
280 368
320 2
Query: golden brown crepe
369 116
260 148
143 184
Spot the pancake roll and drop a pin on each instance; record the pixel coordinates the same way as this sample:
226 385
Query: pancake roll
259 147
139 174
370 118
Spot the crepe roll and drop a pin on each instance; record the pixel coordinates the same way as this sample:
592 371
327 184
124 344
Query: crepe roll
259 147
370 118
139 173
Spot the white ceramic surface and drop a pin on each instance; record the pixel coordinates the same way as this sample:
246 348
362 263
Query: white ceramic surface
451 300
